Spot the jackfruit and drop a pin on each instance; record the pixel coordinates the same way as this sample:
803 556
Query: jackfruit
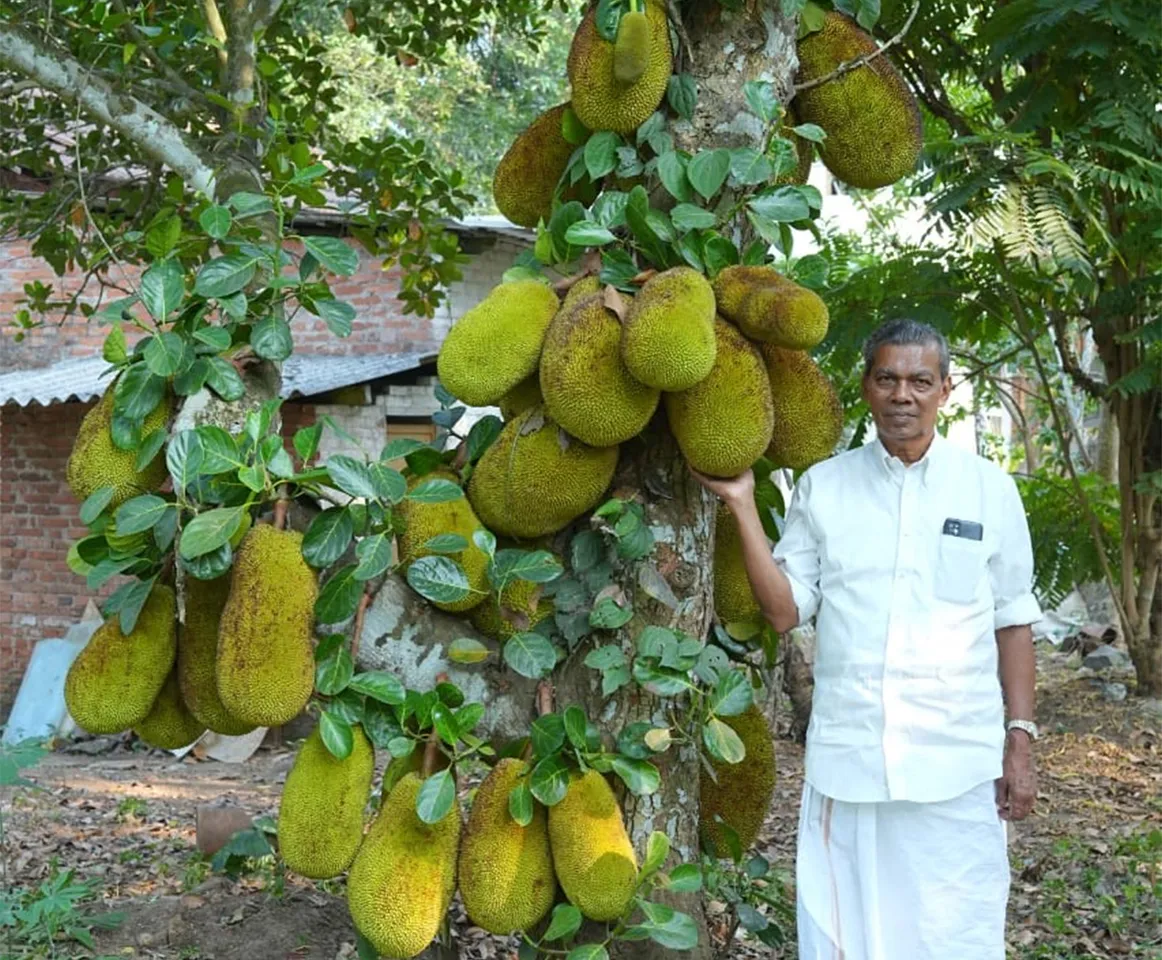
587 387
320 816
585 287
592 853
198 655
517 610
734 600
170 725
497 343
266 666
427 520
808 414
96 462
113 683
742 795
723 424
600 101
535 479
404 875
667 340
522 397
506 870
766 306
526 177
399 767
874 132
631 49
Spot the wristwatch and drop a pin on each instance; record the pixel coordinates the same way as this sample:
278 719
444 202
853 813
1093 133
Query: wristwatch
1027 725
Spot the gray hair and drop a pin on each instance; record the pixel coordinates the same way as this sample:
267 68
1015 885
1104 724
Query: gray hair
900 332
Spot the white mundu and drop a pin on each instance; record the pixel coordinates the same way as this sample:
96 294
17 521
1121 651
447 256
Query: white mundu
908 571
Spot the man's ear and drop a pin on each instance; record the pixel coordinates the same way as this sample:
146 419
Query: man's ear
945 390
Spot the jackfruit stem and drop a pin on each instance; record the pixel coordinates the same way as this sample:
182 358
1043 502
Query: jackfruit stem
544 698
432 750
280 509
863 61
357 631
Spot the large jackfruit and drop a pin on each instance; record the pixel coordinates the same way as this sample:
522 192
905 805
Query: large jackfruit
586 286
320 816
524 396
808 414
742 794
404 875
506 870
113 683
723 424
631 49
734 600
497 343
587 387
592 853
600 100
766 306
667 340
266 667
874 131
198 655
535 479
96 462
517 610
526 177
170 725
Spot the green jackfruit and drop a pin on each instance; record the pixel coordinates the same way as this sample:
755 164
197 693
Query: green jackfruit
526 177
320 816
600 101
766 306
734 600
535 479
113 683
524 396
170 725
266 665
497 343
667 340
631 49
723 424
742 794
592 853
808 414
518 610
585 287
587 387
874 132
404 875
506 870
96 462
198 655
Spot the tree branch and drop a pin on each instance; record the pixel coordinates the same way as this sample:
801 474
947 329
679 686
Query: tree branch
1085 381
173 79
217 28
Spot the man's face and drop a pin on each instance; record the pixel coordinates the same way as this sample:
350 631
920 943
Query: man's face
904 390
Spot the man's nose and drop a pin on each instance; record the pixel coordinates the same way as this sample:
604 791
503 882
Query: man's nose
901 392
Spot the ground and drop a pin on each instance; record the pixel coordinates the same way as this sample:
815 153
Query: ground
1087 867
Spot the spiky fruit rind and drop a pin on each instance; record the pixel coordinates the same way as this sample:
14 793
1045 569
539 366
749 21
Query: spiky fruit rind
585 287
524 396
529 484
497 343
742 794
115 680
873 125
527 175
266 667
734 600
808 414
506 870
517 610
170 725
587 387
723 424
768 307
600 101
631 49
404 875
320 816
667 340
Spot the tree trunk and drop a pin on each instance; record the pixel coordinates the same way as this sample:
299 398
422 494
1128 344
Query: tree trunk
1106 453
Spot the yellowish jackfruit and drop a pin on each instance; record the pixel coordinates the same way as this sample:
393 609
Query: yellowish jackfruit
524 396
742 794
600 100
766 306
320 816
404 875
631 49
170 725
518 610
734 600
497 343
527 175
113 683
266 666
96 462
506 870
585 287
667 340
587 387
808 414
723 424
874 132
592 853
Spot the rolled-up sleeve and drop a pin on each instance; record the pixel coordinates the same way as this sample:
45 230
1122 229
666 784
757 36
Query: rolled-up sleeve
1011 565
797 552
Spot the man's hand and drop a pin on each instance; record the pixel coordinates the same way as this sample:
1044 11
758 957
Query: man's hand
1017 788
731 490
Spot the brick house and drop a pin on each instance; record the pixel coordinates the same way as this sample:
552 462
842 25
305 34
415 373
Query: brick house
376 383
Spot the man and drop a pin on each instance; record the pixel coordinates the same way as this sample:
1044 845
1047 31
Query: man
914 557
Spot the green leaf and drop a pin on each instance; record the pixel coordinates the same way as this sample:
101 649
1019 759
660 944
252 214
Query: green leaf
548 734
352 476
379 685
602 658
149 449
762 100
445 724
640 776
566 922
749 167
162 288
520 803
335 255
586 233
209 530
247 203
588 951
608 16
338 315
438 579
138 392
686 216
234 306
657 849
210 565
708 170
607 615
617 269
337 735
334 673
722 742
436 491
719 253
225 275
374 555
95 503
271 338
732 694
685 878
132 601
550 781
682 95
140 514
339 597
783 205
445 543
601 153
538 566
572 129
162 236
436 797
224 380
306 441
114 350
530 654
810 131
575 726
216 220
467 650
677 931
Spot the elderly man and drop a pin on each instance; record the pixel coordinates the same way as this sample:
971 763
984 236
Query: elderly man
914 558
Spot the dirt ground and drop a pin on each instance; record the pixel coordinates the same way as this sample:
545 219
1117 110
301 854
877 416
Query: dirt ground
1087 867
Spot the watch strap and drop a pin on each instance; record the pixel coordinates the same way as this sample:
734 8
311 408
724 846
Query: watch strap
1027 725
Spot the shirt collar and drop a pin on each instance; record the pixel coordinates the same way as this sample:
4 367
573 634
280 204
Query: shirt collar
928 465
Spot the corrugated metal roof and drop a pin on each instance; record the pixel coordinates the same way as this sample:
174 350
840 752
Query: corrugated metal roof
303 375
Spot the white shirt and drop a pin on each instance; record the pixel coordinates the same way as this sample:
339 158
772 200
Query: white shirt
907 702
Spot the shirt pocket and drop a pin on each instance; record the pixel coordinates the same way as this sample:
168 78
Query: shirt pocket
959 568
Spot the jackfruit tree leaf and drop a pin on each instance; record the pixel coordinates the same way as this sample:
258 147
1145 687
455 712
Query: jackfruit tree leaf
617 269
132 603
138 392
575 725
253 477
162 288
608 17
708 170
690 247
271 338
586 549
183 458
484 431
374 555
223 276
686 216
682 95
762 100
436 490
438 579
365 948
210 565
566 922
333 254
485 540
163 353
718 253
550 781
467 650
782 205
379 723
445 543
140 514
402 746
748 167
208 531
640 776
671 928
334 673
732 694
338 315
448 417
22 755
605 657
607 615
467 717
351 476
219 450
537 566
328 645
601 153
520 803
105 570
234 306
224 380
436 797
149 449
588 951
114 349
751 919
811 271
306 441
94 504
445 724
216 220
722 742
336 734
548 734
339 597
586 233
530 654
685 878
657 849
192 379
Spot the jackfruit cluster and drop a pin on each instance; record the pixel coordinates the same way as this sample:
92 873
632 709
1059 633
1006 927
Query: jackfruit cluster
873 125
667 340
169 724
526 177
768 307
739 793
734 600
808 416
